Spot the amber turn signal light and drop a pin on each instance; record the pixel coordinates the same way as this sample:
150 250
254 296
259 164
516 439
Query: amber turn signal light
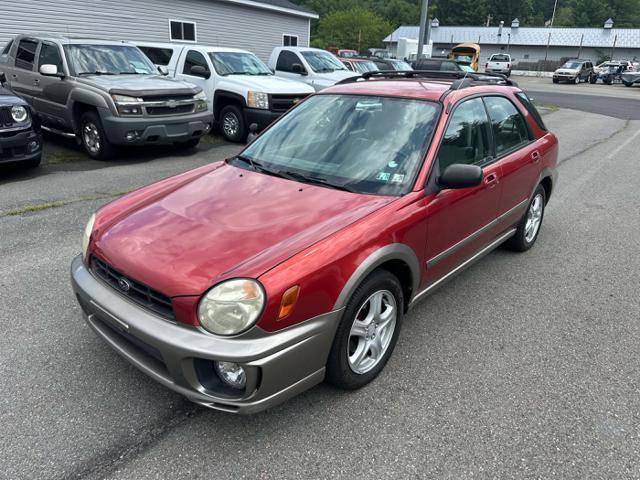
289 299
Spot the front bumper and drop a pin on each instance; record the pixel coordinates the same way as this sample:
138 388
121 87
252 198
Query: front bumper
263 118
565 78
15 146
156 130
278 365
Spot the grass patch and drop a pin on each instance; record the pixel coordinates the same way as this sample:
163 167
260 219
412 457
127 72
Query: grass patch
212 139
61 157
119 194
34 208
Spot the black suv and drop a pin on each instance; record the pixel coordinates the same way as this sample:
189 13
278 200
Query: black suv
20 137
437 64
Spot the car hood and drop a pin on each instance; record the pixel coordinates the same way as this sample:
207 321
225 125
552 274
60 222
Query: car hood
267 84
140 85
7 97
226 223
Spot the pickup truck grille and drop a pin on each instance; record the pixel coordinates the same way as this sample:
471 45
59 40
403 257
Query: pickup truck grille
132 289
179 110
5 117
282 103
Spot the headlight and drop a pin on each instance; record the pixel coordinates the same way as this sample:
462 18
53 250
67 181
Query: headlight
127 105
86 236
231 307
258 100
201 102
19 114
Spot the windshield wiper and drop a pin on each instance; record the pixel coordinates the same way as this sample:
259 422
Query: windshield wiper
314 181
95 73
258 167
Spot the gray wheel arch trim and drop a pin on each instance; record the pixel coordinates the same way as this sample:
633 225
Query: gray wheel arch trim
394 251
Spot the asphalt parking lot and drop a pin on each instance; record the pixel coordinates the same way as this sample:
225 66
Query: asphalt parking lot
524 366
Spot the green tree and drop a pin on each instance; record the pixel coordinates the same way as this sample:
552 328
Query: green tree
357 28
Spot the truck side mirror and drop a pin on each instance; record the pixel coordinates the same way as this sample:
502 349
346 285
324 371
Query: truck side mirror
3 78
200 71
49 70
163 70
298 68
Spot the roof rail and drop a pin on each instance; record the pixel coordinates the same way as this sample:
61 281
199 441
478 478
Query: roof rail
460 79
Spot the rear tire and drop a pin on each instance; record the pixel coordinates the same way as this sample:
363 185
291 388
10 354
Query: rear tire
93 137
555 80
366 335
529 227
593 79
232 124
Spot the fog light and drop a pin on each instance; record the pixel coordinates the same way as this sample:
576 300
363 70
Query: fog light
132 136
33 145
207 127
232 374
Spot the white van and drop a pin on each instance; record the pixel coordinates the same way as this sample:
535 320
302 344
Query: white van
313 66
240 88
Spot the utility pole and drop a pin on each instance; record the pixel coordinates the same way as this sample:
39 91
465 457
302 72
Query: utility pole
553 15
423 26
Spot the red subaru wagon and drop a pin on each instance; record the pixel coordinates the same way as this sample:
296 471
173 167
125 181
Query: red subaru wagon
248 281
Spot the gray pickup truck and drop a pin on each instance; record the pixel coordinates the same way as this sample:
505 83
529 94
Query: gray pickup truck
104 93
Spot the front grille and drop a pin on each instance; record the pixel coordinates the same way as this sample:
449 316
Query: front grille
282 103
179 110
13 152
6 120
165 98
136 291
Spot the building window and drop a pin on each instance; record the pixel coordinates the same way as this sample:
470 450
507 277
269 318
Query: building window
526 56
183 31
290 40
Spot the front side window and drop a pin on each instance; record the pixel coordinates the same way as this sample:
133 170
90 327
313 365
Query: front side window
286 61
159 56
322 62
289 40
184 31
92 59
366 144
467 137
50 55
194 59
26 54
509 127
238 63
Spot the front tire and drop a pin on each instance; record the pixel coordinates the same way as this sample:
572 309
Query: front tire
577 80
367 333
232 124
529 227
627 84
93 137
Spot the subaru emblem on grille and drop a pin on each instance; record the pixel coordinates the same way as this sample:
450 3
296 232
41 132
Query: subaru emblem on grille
124 285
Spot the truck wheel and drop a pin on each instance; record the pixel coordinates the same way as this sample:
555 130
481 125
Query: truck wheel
627 84
593 79
93 138
555 80
189 144
232 124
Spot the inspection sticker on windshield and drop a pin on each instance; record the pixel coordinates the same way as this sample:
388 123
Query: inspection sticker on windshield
383 177
397 178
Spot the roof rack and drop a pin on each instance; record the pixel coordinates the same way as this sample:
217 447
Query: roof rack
459 79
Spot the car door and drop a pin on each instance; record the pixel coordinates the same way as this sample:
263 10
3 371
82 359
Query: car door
194 58
462 221
22 79
518 155
51 93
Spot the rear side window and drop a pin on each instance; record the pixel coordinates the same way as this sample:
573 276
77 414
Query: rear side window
466 139
158 56
531 108
194 59
26 54
50 55
286 60
509 127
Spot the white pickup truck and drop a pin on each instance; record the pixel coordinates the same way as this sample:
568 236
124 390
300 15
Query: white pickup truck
240 88
499 63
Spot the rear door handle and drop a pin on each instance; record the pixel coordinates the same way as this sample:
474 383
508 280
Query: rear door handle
535 156
36 82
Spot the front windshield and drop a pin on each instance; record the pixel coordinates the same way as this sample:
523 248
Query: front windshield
321 62
364 67
238 63
400 65
107 60
366 144
571 65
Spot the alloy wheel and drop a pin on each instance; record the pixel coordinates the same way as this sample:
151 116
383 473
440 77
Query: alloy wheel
534 218
372 331
91 137
231 125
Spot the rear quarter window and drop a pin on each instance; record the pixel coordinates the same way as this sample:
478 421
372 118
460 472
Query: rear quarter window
526 102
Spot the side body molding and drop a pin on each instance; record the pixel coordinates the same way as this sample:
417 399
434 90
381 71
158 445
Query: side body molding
394 251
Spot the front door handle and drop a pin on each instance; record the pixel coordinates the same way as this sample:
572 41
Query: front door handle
36 82
491 180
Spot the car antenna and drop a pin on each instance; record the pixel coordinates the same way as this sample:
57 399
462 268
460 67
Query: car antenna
461 81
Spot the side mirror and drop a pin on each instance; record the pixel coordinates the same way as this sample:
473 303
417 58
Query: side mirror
460 176
3 78
163 70
49 70
298 68
200 71
253 132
